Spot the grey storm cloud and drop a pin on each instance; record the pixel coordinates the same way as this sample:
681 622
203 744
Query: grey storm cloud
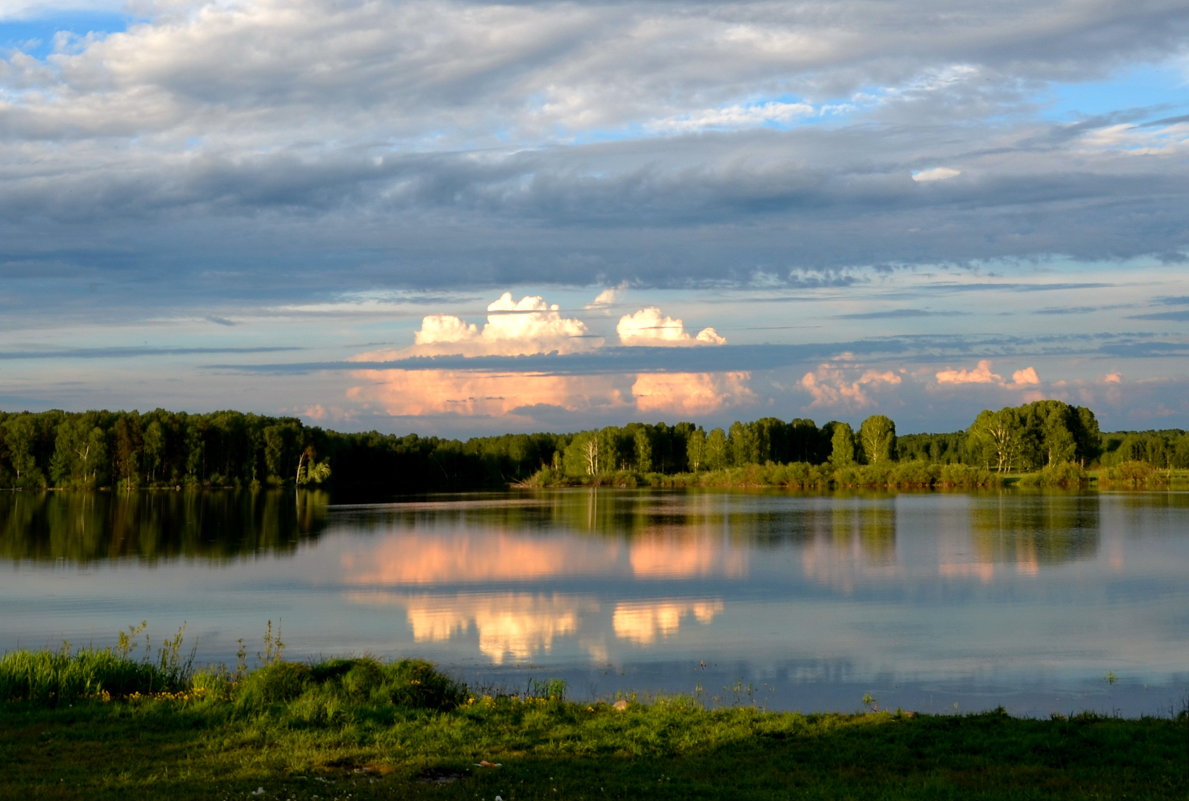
277 149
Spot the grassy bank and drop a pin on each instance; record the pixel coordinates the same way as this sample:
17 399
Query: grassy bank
365 729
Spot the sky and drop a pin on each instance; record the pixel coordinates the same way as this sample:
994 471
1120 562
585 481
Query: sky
464 218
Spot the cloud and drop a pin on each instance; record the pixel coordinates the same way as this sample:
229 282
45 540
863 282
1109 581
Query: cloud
979 375
735 116
133 352
982 374
404 393
1025 377
935 174
685 394
607 298
513 328
467 385
258 160
430 144
846 385
650 326
35 9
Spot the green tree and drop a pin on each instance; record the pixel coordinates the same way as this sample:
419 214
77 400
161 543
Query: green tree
581 456
743 444
195 449
20 437
152 449
842 445
806 442
1031 436
643 445
878 437
309 469
128 442
80 452
611 449
716 450
996 439
695 449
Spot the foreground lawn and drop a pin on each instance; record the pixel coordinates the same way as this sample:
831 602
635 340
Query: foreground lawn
101 725
542 749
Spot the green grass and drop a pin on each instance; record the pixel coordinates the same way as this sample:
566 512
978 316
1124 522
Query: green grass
50 678
365 729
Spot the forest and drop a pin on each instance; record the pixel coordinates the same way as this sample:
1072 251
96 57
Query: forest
130 449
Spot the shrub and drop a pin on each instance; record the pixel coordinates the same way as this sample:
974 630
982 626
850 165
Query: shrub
417 683
324 691
1062 474
1135 473
963 475
274 683
914 474
354 680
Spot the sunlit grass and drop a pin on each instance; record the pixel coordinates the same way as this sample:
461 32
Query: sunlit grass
362 728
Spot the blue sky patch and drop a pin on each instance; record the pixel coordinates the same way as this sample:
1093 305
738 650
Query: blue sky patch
35 37
1142 87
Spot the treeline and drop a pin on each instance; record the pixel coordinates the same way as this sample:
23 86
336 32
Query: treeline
232 449
799 453
128 450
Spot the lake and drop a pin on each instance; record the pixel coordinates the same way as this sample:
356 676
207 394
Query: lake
936 602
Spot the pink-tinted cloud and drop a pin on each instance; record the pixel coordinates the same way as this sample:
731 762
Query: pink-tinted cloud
465 392
982 374
474 393
979 375
690 393
530 327
846 384
451 557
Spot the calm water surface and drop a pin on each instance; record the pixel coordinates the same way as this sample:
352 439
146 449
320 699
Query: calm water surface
1039 603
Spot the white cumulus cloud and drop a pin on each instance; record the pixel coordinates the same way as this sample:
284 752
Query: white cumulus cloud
514 328
650 326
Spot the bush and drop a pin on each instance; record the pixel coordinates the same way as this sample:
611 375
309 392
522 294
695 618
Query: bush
324 691
1135 474
417 683
355 680
914 474
1062 474
276 682
963 475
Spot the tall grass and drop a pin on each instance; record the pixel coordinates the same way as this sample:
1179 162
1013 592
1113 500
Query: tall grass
311 692
50 678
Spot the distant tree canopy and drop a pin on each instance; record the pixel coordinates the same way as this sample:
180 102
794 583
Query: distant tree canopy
168 449
1034 435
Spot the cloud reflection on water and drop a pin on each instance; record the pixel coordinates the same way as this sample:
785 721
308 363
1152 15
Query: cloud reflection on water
589 575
